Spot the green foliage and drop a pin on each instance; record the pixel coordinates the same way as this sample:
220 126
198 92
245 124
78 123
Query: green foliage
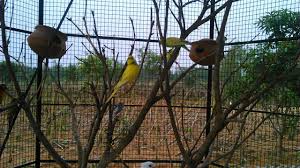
232 62
151 63
267 60
231 72
92 68
280 24
71 73
22 72
195 77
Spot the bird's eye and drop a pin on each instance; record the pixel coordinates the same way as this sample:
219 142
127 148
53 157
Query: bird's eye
150 165
199 50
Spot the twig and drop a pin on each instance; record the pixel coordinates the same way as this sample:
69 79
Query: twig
134 36
200 20
12 75
64 15
74 120
181 15
182 75
177 20
13 112
189 2
11 19
239 135
180 145
90 52
96 32
147 45
98 54
239 144
183 129
236 70
42 137
115 61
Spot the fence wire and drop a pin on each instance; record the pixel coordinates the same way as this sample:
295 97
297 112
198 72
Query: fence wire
275 143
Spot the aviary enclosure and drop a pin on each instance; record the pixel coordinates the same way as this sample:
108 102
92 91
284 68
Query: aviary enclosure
216 83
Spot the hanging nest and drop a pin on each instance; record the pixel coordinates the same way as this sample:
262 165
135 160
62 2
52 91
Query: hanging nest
47 42
203 52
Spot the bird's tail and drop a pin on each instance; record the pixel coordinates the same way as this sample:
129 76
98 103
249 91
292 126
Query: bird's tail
116 89
112 95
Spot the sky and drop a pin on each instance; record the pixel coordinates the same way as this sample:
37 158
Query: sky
113 20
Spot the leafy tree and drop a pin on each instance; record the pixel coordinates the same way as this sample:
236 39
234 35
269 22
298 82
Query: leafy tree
92 68
283 24
71 73
280 24
267 58
270 59
22 71
197 77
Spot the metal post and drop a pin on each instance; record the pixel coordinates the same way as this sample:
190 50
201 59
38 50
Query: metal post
209 80
39 97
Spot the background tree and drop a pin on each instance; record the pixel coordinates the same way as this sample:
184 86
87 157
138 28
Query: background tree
92 69
271 59
105 116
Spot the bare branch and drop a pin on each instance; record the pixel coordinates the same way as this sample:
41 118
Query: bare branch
64 15
96 32
236 146
177 20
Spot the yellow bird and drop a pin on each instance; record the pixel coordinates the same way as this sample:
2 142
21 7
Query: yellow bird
128 78
3 89
176 42
169 54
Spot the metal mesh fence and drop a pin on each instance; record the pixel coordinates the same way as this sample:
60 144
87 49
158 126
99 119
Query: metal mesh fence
275 143
20 148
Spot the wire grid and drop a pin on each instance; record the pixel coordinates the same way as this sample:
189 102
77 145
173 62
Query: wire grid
155 140
20 148
269 146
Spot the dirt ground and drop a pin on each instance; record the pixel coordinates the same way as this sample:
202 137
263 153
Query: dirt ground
154 141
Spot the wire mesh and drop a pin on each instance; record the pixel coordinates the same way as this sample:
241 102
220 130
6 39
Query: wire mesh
275 143
21 144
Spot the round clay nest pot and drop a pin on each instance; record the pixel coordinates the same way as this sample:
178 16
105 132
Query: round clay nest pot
203 51
47 42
